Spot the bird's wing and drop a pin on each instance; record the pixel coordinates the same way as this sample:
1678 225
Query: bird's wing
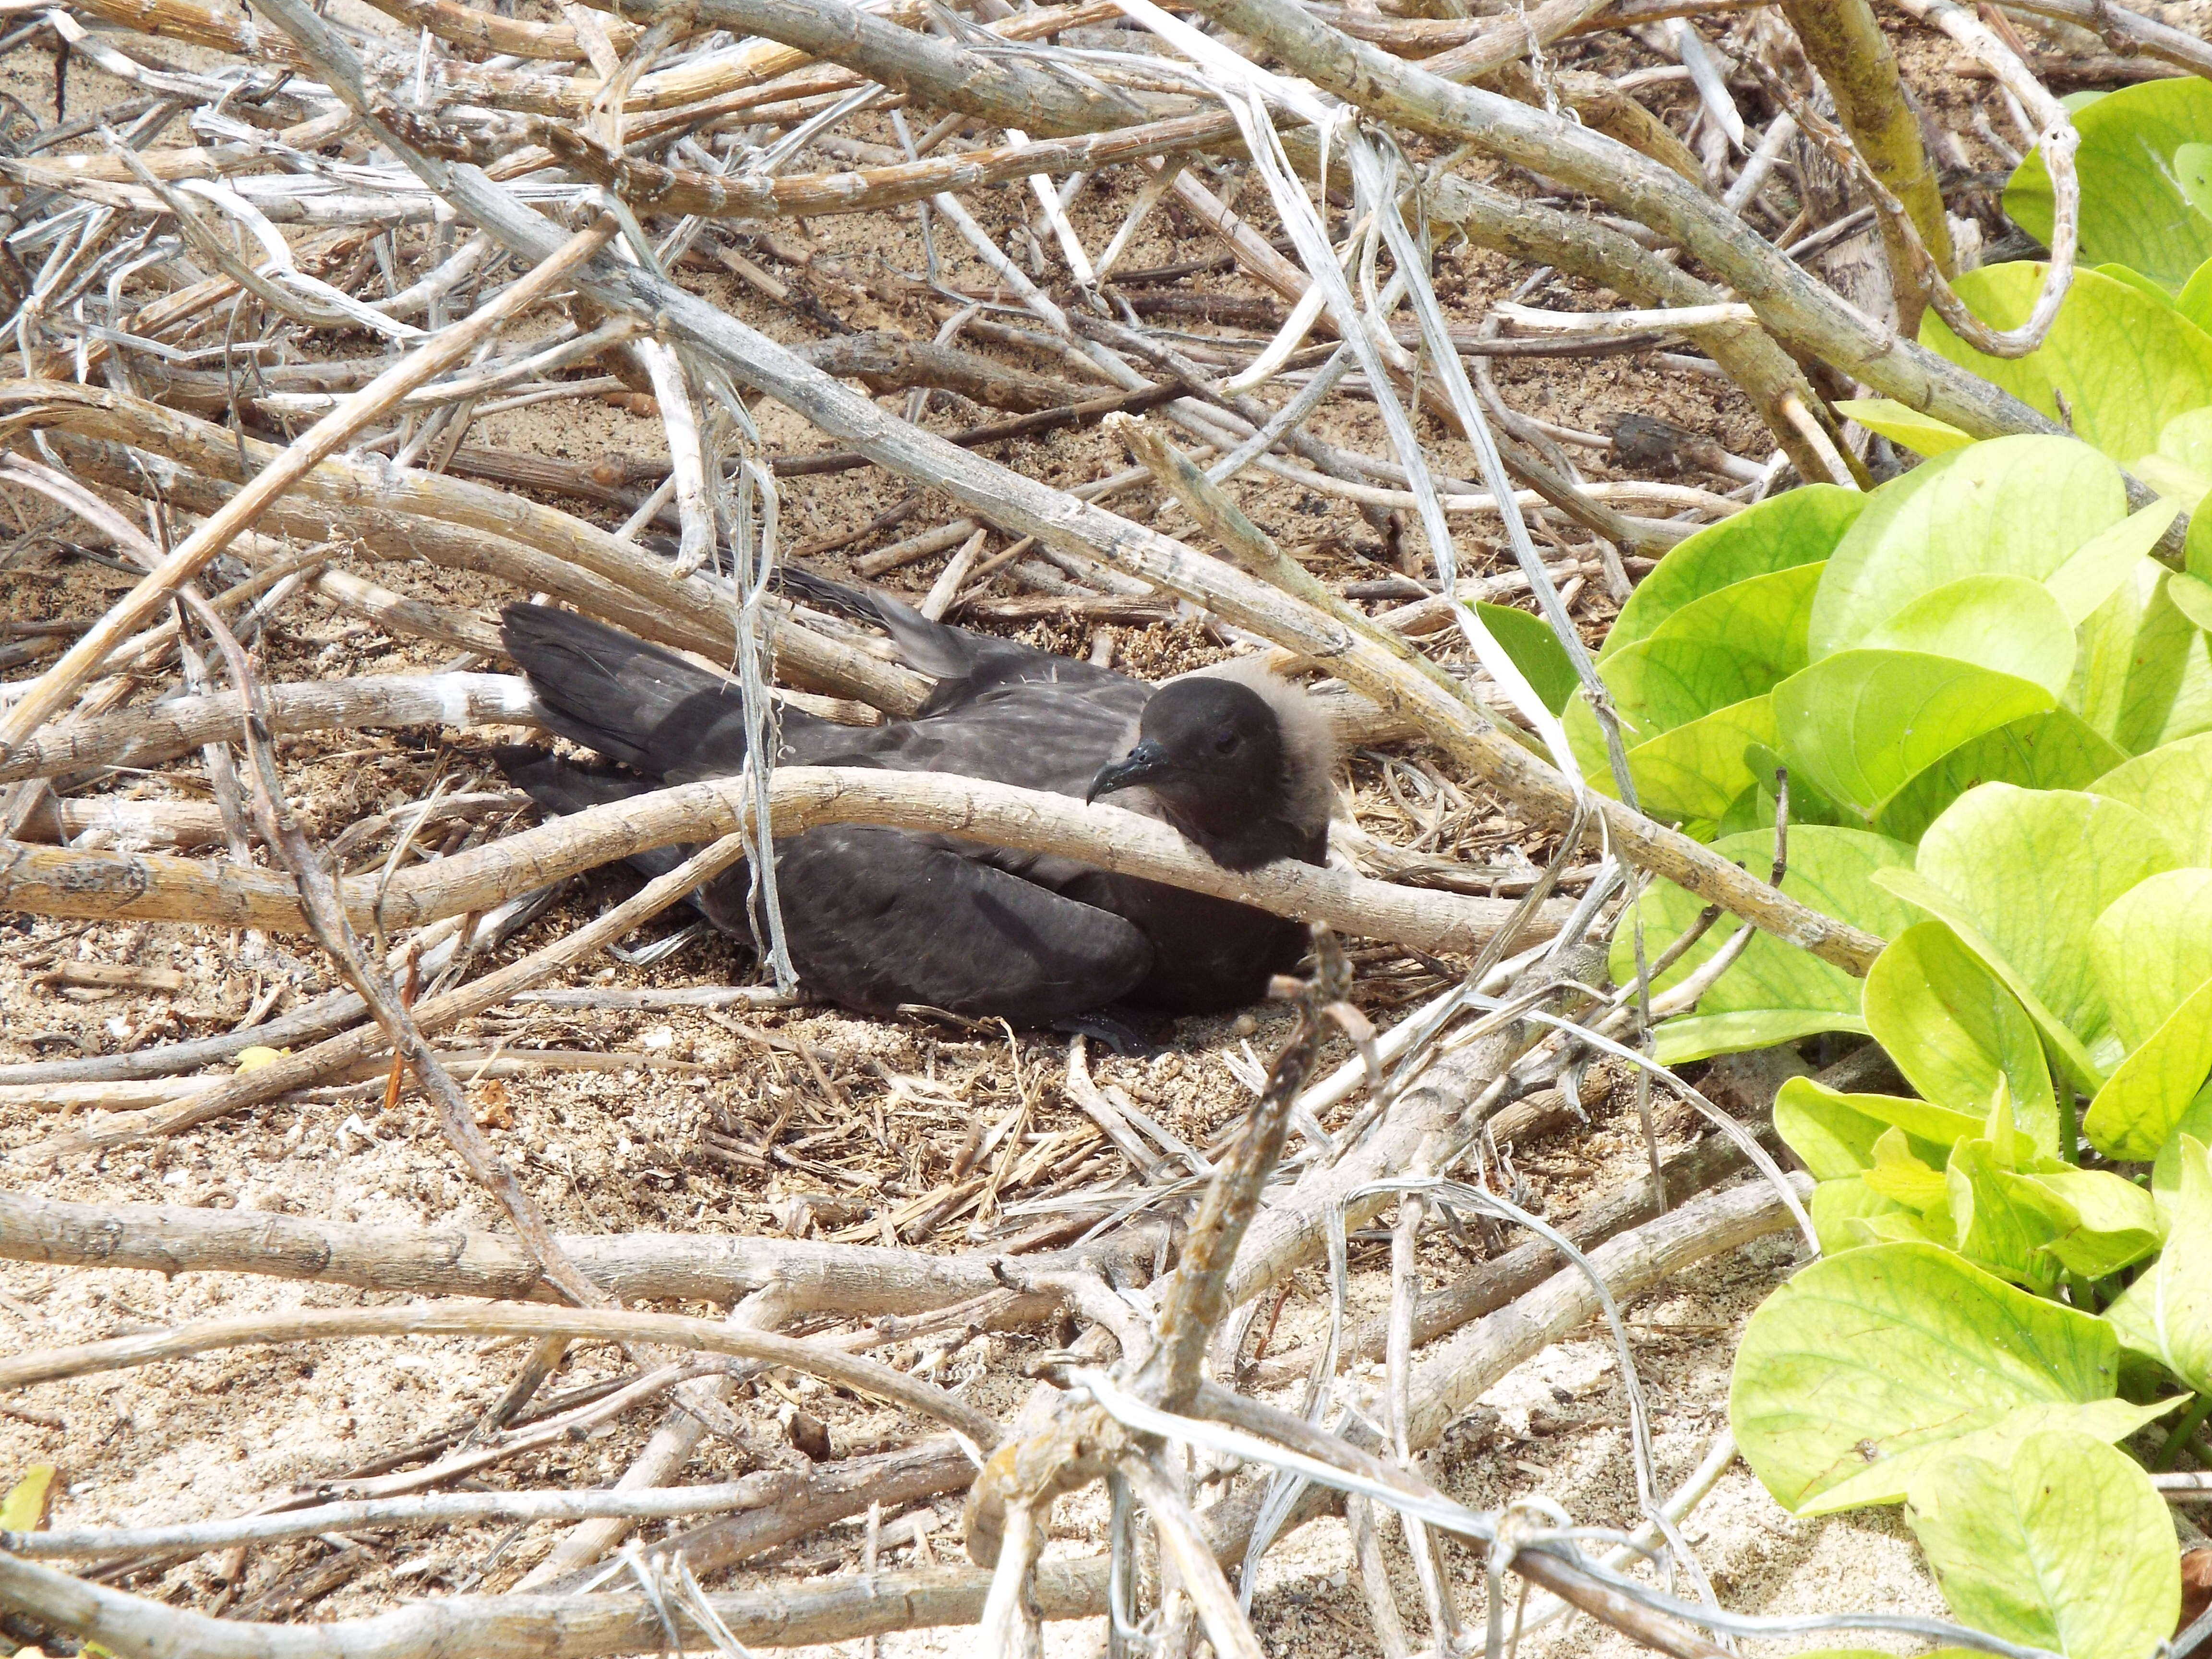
560 787
876 918
965 664
1035 734
935 649
631 701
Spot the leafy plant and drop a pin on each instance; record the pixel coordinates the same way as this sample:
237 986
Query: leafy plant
1993 615
2000 705
2027 1311
1984 616
1994 703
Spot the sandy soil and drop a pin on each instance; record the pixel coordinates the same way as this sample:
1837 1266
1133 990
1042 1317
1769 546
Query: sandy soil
618 1151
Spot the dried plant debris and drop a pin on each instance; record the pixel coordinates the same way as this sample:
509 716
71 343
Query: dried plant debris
517 1233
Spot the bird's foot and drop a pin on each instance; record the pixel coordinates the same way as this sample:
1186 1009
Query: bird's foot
1115 1030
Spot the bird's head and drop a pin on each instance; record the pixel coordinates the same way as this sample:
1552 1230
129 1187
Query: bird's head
1207 748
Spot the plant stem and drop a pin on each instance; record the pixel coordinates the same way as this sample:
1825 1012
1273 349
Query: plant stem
1846 44
2191 1421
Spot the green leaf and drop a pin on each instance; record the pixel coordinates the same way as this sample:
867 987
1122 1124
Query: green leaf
2192 596
1852 1123
2191 710
2151 948
2066 1544
1834 1134
2034 870
25 1505
2073 1058
1955 1032
2124 363
2166 1313
2166 1172
1662 683
2055 750
2171 786
1866 1364
2144 1101
1536 650
2018 506
1833 1142
1800 526
1840 1209
2134 210
1864 723
2194 299
2181 466
2002 1220
2142 671
1924 434
2008 624
1775 991
2135 279
1718 651
1697 770
1904 1179
1771 610
1897 1226
1701 1035
2181 486
2111 1223
2091 573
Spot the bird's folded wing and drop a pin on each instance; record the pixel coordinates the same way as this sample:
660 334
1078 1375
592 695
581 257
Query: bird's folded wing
880 918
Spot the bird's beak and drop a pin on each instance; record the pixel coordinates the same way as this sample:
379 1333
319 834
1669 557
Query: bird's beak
1142 764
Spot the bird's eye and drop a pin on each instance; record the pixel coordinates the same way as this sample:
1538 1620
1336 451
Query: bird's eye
1226 744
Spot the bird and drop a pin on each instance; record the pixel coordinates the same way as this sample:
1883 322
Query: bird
1237 760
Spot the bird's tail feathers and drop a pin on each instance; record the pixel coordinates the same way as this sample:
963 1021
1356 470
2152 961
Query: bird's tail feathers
937 649
631 701
563 785
560 787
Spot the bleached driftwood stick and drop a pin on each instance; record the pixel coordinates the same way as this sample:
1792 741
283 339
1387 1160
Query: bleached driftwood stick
439 353
59 881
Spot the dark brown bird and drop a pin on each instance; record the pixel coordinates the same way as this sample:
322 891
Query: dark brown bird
1234 759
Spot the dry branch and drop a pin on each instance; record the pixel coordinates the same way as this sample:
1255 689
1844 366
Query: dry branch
296 1071
827 1279
929 1469
443 1509
1487 1286
1023 504
137 608
587 1627
1459 1370
370 487
572 1324
60 881
1787 300
2126 31
1844 42
680 190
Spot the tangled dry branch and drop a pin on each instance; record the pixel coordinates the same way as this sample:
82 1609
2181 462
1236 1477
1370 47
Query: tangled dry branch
257 363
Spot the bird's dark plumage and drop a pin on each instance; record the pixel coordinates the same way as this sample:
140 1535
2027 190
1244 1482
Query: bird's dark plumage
876 918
